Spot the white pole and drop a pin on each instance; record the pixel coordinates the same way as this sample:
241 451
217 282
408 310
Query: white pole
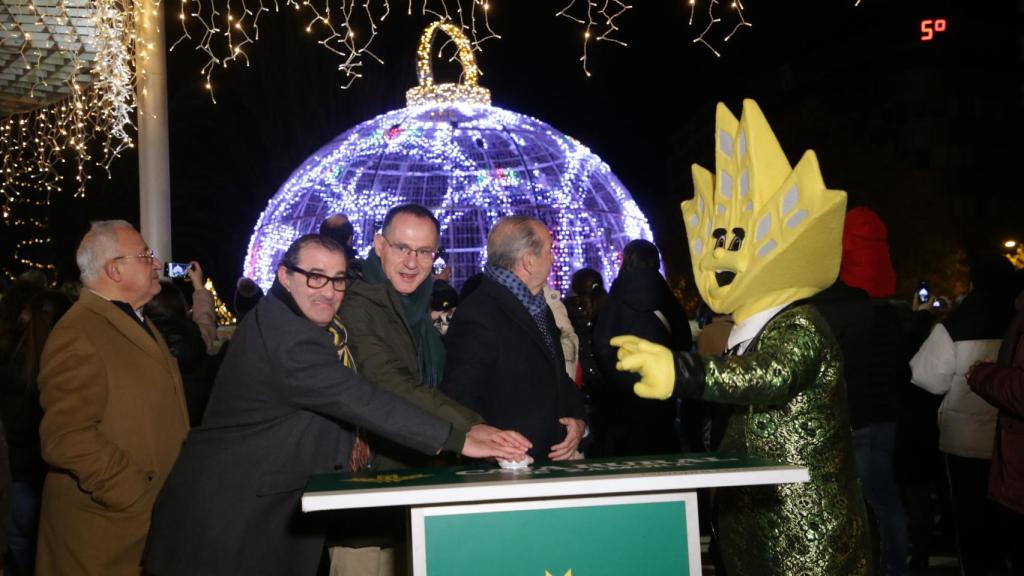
154 150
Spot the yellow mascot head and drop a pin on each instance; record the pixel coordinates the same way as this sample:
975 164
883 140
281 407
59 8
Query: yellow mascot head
761 233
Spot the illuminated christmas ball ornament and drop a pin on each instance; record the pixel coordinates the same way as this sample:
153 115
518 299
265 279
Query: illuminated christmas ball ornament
470 163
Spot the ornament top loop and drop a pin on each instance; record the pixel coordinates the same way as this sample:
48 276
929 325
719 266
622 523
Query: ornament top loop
466 91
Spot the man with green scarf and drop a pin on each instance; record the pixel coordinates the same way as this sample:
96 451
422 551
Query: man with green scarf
393 340
395 346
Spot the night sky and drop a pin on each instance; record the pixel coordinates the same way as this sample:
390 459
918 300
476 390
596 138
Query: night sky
927 133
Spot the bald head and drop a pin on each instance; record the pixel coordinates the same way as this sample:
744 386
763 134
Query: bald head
522 245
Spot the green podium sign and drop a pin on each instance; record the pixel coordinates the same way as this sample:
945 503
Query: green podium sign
595 517
646 534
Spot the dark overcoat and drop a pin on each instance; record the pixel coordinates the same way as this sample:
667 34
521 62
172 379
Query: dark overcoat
282 409
499 366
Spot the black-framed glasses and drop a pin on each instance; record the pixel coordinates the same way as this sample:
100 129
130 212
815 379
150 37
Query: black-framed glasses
422 254
315 280
146 257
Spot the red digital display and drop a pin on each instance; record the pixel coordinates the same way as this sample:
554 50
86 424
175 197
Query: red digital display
930 27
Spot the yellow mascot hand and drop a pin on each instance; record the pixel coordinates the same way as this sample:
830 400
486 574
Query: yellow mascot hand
655 364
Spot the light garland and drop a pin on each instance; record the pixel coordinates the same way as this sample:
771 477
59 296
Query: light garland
470 163
598 22
79 99
33 234
701 38
346 28
94 104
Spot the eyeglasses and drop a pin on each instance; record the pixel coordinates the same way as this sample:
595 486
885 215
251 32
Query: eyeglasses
146 257
422 254
316 280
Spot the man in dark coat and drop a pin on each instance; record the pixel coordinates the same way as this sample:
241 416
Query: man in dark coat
282 409
504 358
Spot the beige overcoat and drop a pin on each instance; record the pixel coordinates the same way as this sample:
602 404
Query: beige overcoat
114 418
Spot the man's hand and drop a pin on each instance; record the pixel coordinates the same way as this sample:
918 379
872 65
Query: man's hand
566 449
653 362
973 367
483 441
195 275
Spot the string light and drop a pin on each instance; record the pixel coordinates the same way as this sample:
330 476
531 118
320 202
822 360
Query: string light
430 93
713 19
470 163
590 17
78 99
347 28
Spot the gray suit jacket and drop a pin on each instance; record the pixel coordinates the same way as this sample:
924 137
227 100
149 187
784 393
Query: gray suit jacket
282 408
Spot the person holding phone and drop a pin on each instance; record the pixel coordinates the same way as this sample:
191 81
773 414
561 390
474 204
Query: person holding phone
202 306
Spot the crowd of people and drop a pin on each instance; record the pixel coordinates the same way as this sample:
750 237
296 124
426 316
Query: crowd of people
138 439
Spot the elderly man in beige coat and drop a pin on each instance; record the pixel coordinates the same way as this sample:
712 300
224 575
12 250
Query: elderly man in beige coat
114 412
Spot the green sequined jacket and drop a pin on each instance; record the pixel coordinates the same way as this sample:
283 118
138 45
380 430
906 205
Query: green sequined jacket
790 406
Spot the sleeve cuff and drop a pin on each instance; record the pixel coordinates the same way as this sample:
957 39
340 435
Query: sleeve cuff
455 441
689 375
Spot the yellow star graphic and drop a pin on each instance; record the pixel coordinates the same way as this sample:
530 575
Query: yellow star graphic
569 573
389 478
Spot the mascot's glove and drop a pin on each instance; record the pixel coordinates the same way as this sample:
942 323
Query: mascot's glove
652 361
662 372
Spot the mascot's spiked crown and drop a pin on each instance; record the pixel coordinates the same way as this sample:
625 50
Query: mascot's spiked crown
761 233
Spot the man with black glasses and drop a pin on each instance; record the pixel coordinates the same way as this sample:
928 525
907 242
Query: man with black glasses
283 408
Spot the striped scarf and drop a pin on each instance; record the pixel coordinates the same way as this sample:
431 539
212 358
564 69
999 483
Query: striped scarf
360 458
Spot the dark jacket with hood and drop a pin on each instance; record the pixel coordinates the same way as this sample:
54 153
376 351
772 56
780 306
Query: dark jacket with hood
639 303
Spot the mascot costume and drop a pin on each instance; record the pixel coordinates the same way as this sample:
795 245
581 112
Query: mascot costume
763 237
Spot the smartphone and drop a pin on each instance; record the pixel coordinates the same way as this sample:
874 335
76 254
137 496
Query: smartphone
440 262
176 269
439 265
922 291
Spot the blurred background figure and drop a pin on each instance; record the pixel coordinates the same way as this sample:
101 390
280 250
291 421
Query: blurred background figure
247 295
971 333
338 228
443 301
586 299
71 288
642 304
35 277
27 314
867 326
202 312
1001 383
567 337
183 330
713 338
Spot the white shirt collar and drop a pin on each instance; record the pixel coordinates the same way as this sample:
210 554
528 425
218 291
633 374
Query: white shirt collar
743 332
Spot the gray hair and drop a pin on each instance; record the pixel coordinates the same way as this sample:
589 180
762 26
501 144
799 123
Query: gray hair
98 246
510 238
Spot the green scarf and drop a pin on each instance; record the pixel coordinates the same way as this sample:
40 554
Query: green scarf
416 309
